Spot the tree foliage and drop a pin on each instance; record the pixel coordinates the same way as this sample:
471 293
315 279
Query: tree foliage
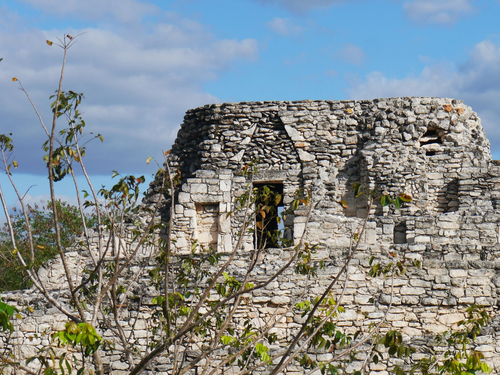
41 222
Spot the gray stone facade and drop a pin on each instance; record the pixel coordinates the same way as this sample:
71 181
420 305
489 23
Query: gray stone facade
430 148
433 149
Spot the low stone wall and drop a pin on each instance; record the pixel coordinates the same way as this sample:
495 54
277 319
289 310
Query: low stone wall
425 301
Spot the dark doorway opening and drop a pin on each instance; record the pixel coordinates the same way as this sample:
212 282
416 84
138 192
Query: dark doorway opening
400 233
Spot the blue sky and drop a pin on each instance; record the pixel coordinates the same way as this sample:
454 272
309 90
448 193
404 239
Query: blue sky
142 64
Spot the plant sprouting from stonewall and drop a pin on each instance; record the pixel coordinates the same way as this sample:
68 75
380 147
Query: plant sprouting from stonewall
194 319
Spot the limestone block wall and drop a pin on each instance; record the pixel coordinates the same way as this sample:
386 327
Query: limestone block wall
425 301
433 149
430 148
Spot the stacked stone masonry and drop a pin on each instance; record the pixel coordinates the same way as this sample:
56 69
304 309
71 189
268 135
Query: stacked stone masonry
433 149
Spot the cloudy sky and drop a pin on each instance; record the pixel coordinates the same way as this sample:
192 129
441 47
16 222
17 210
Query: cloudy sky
142 64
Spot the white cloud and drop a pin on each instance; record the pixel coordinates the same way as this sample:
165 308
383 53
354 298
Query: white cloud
123 11
284 26
138 82
434 80
298 59
477 82
443 12
302 6
351 54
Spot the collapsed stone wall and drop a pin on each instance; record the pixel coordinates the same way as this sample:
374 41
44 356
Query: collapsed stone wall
430 148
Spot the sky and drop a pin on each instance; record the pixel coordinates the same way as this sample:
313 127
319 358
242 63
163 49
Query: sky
142 64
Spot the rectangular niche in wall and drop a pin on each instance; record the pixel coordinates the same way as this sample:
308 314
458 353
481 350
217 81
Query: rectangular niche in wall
269 207
207 220
400 233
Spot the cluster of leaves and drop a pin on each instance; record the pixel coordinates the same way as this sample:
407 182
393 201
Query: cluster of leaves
80 338
6 147
66 104
305 264
378 269
41 221
121 199
79 334
267 201
6 314
459 357
323 330
385 199
246 341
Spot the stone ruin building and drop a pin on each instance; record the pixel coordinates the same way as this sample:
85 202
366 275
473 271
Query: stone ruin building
433 149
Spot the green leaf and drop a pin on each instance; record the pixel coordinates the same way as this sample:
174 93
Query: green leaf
485 368
384 200
405 197
397 203
357 189
262 351
6 313
226 340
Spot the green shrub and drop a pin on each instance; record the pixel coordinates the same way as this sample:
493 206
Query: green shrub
12 273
